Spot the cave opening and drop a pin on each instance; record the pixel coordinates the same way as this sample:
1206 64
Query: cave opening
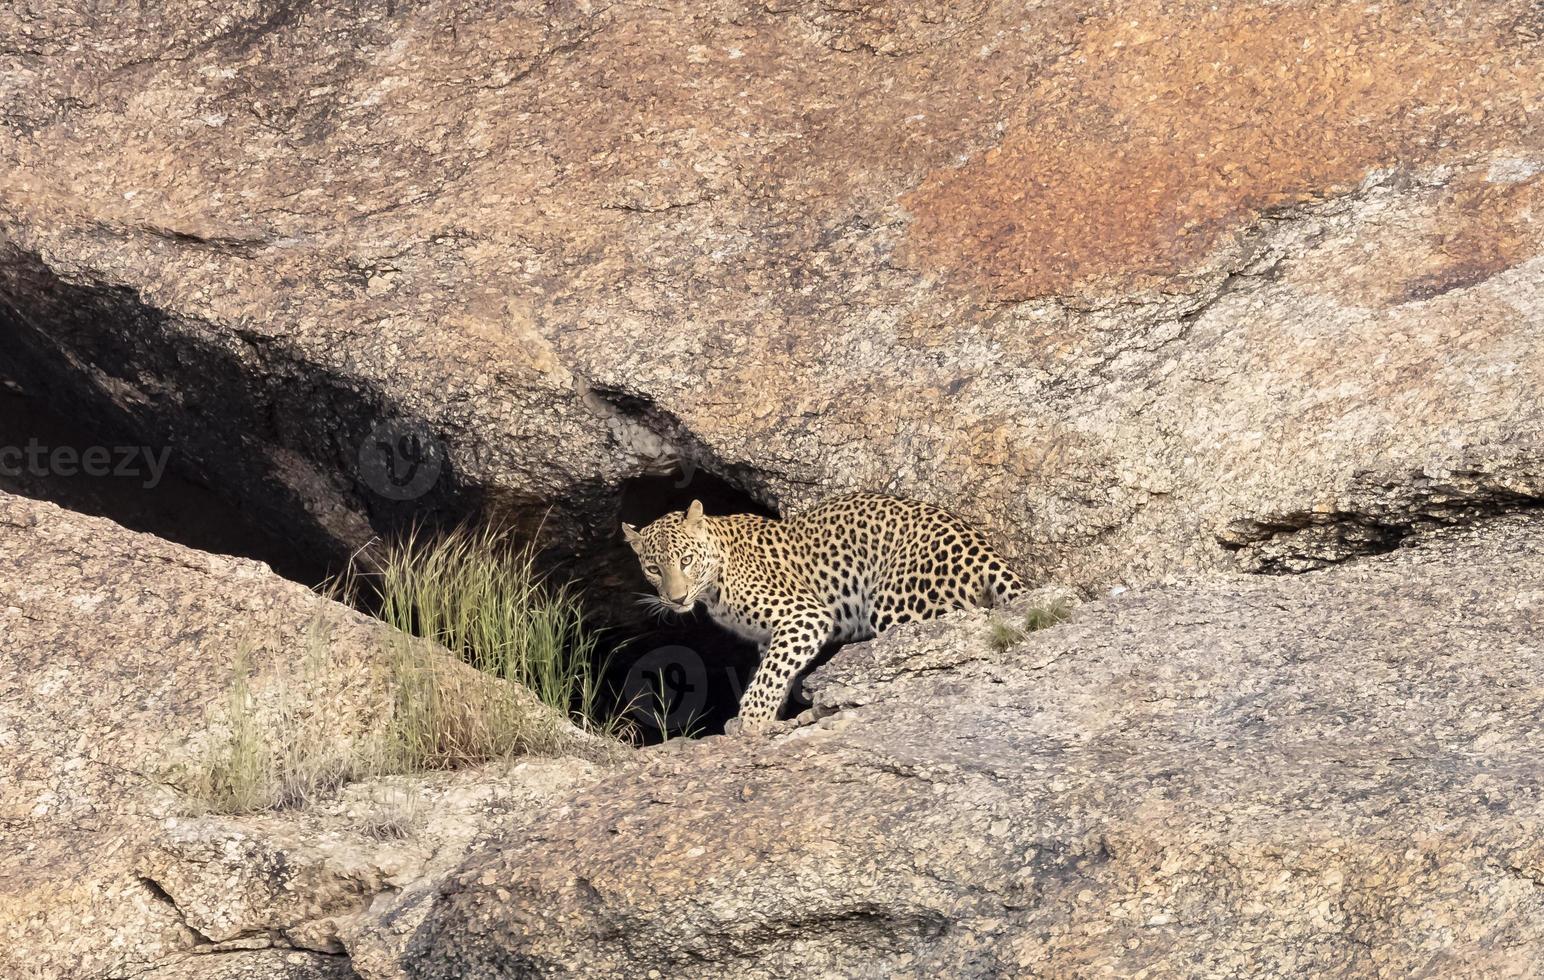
52 448
113 408
680 674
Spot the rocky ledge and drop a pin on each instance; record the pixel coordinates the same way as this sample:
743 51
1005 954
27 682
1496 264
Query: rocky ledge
1327 774
1334 771
117 651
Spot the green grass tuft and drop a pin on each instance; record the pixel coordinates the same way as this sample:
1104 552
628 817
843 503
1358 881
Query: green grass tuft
656 707
395 819
1047 614
1005 634
468 592
483 599
236 770
281 755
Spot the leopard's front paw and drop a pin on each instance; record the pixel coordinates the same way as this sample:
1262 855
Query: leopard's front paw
749 725
755 726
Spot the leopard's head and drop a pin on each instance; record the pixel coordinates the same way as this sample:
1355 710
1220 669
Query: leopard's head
679 556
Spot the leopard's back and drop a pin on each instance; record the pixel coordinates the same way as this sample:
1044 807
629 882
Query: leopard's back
874 561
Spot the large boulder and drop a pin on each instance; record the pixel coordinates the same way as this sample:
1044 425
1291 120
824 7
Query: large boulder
1152 291
117 656
1137 286
1327 774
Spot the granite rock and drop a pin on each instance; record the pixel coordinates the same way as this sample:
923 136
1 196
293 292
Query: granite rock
116 654
1333 773
1134 286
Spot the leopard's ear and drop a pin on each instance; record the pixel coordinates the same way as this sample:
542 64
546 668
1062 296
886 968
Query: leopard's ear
693 513
631 534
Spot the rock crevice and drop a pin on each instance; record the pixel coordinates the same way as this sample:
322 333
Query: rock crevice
1379 513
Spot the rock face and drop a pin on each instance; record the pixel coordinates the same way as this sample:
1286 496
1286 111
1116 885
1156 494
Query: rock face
1156 292
114 648
1327 774
1136 286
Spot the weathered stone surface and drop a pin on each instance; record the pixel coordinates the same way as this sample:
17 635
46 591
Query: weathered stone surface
268 964
1327 774
1110 279
1148 289
114 648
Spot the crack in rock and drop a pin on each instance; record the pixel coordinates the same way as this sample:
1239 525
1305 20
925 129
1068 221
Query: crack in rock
1381 514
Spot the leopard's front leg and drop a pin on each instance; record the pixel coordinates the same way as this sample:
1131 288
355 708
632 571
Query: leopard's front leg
796 642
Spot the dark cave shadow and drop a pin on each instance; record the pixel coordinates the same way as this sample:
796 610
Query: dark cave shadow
264 449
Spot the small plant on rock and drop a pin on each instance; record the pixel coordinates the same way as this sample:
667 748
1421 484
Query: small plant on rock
235 771
395 819
278 753
1005 634
483 599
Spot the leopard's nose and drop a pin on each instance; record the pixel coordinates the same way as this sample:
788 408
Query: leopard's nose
679 600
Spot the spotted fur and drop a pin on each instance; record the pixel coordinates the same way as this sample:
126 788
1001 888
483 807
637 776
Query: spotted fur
844 570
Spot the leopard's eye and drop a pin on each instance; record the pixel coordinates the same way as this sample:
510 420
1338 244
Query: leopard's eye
651 568
686 561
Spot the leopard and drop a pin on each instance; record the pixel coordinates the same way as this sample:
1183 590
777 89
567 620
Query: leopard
842 571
